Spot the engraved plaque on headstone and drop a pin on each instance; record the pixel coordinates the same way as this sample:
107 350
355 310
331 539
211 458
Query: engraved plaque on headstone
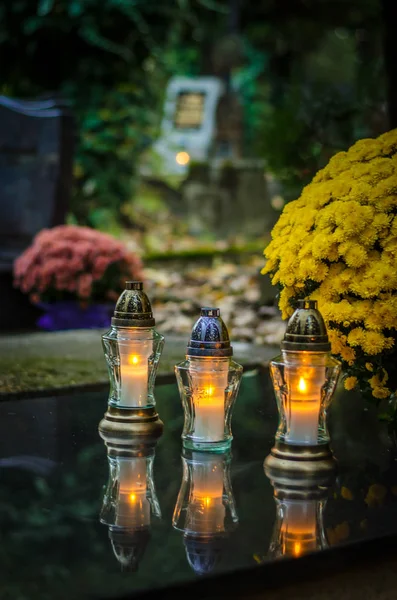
188 125
189 111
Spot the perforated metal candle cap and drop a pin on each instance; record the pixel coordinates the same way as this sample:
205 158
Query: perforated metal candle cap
306 329
203 552
133 308
210 336
129 546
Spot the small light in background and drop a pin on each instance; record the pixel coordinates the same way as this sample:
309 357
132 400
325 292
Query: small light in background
182 158
277 202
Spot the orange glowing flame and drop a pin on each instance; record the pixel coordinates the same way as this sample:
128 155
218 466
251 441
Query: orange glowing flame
133 498
302 385
207 501
297 549
133 360
209 390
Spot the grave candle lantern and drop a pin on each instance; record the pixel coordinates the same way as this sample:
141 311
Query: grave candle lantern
304 379
208 382
132 350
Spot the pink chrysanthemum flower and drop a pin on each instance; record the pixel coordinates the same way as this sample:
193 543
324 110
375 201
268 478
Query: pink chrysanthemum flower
69 260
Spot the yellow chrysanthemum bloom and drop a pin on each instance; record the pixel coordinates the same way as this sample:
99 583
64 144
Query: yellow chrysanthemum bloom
350 383
337 244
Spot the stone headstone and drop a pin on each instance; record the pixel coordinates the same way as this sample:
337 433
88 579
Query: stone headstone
36 140
36 152
188 125
234 200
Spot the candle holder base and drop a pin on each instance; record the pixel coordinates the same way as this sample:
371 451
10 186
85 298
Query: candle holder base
194 444
126 425
307 462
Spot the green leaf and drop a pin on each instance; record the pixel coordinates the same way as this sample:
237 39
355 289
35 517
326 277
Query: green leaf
42 486
216 6
75 8
44 7
31 25
385 417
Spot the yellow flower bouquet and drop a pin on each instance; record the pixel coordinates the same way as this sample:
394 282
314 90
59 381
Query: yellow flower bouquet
337 244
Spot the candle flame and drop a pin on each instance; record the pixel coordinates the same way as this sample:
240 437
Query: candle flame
133 360
297 549
209 390
207 501
302 385
133 498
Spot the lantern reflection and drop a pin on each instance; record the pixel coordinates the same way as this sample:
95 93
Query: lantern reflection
205 511
300 503
130 499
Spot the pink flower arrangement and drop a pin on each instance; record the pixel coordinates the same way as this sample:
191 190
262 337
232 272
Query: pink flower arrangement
71 261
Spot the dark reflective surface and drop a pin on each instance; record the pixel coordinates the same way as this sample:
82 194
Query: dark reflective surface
54 470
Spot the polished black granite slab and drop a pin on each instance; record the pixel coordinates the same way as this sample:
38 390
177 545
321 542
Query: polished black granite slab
54 470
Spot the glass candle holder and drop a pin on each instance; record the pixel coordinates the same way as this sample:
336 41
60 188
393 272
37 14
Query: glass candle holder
130 501
304 383
132 350
208 382
132 355
299 527
205 510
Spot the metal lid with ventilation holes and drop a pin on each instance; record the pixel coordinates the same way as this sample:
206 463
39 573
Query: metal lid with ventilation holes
204 552
306 329
133 308
209 336
129 546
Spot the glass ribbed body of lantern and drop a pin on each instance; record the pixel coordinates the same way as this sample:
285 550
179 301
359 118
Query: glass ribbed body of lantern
132 356
303 383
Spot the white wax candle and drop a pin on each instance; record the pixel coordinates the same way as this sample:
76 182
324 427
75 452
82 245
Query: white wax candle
209 409
209 380
134 381
132 505
134 369
303 426
304 407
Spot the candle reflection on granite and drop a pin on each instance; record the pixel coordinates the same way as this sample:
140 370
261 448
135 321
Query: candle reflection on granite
132 505
205 511
300 503
298 532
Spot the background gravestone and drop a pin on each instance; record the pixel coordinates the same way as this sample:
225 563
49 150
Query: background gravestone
36 151
230 198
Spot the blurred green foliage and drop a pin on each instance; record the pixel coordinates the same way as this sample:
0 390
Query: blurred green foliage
309 74
111 59
313 82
